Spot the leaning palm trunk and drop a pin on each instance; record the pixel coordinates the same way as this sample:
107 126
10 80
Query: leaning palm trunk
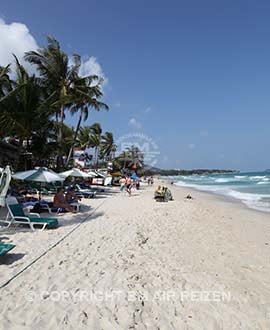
75 136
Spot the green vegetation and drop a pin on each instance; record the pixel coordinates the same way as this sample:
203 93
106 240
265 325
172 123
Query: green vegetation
33 109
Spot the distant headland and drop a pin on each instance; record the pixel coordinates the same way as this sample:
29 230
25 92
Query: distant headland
175 172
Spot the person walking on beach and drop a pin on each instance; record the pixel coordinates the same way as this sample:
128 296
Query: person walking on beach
122 182
128 185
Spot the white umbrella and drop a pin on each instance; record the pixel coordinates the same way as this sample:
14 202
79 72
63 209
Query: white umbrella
4 185
75 172
41 174
23 175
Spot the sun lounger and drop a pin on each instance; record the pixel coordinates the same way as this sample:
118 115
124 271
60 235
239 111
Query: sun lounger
16 215
86 193
5 248
76 206
37 206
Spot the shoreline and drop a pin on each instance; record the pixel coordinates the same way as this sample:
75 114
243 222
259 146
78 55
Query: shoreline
225 198
206 257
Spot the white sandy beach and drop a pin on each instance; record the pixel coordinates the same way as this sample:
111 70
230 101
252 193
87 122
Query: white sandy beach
138 264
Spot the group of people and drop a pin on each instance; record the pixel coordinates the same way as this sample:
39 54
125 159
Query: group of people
127 183
64 201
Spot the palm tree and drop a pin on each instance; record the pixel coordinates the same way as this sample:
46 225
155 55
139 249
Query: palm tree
83 137
129 157
5 82
136 156
86 96
108 147
95 140
57 78
21 107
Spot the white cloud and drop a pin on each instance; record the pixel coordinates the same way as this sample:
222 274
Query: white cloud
148 109
135 123
204 133
15 39
192 146
90 66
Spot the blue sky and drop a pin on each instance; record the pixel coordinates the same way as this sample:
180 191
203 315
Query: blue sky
192 76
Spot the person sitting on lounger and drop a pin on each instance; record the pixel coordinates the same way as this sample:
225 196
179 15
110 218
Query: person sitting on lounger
71 196
59 201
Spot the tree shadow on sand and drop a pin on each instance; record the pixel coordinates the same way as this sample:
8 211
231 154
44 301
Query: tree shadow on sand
79 218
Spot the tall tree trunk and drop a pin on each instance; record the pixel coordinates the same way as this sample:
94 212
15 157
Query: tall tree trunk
60 140
96 157
75 136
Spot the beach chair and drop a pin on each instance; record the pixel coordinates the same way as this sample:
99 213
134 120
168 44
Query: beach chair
86 193
37 206
5 248
76 206
16 215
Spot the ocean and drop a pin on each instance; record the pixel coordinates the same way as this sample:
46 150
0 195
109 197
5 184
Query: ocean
252 189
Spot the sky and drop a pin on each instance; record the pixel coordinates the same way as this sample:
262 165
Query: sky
188 81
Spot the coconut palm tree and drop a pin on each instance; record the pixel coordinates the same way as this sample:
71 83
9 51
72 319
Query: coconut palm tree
129 157
5 82
95 140
57 77
83 137
107 146
136 156
20 108
87 91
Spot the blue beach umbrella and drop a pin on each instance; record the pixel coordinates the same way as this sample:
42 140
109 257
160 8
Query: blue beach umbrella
134 176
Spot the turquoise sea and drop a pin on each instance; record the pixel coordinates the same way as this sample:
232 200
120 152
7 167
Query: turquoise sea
252 189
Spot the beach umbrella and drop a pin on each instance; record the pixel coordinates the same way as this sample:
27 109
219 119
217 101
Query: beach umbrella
41 175
75 172
4 185
134 176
